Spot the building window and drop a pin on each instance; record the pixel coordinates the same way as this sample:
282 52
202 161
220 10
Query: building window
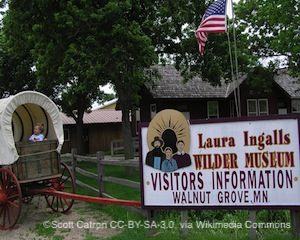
66 134
212 109
282 108
296 106
263 108
257 107
252 107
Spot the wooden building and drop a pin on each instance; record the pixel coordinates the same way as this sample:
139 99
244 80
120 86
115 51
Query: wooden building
100 128
198 99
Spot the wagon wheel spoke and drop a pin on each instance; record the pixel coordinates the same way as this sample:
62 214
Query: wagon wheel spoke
52 201
12 191
62 174
3 181
8 217
8 190
13 204
4 216
1 211
61 203
9 185
67 203
12 196
3 178
47 199
66 179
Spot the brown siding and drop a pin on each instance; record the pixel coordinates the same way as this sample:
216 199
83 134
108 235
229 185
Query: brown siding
71 143
196 107
274 96
101 135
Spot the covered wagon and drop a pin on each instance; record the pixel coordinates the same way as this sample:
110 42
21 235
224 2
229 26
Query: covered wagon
26 165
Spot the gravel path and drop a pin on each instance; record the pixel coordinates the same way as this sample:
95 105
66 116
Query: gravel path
38 222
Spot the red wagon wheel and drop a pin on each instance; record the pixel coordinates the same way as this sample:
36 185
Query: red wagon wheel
65 183
10 199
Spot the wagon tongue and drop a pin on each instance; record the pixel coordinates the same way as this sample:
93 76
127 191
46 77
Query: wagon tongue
84 198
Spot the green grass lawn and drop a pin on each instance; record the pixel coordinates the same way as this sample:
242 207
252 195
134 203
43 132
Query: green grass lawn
115 190
173 217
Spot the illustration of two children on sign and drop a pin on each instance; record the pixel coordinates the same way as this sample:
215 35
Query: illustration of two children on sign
164 159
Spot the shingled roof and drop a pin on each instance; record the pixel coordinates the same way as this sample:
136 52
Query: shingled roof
172 85
96 116
289 84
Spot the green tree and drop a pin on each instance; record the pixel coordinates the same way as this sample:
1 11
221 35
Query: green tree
16 63
62 38
77 45
139 32
173 35
271 28
127 52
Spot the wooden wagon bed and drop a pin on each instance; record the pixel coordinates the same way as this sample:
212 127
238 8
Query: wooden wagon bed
37 161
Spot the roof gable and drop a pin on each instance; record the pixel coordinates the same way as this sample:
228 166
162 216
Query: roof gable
171 85
289 84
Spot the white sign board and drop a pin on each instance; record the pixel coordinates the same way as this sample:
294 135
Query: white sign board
243 163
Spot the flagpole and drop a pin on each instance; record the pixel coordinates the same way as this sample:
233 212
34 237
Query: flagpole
236 100
236 60
232 75
214 20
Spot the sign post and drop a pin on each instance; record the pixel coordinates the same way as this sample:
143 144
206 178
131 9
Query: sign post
252 231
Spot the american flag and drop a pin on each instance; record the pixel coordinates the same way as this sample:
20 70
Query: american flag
213 20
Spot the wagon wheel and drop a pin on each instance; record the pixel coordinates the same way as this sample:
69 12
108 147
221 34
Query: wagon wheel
65 183
10 199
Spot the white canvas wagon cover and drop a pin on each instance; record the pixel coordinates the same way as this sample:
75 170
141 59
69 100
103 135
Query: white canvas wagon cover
18 116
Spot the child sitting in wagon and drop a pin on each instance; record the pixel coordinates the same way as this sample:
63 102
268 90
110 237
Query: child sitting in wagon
37 135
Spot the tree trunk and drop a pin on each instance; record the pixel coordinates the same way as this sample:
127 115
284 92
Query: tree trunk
133 124
126 132
127 137
80 133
